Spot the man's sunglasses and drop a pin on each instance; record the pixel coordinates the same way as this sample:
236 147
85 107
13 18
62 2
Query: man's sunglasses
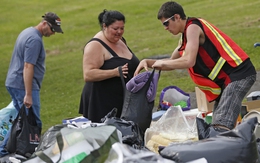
166 22
52 29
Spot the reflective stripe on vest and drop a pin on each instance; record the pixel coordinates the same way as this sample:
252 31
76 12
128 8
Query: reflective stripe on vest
183 53
224 44
215 91
213 74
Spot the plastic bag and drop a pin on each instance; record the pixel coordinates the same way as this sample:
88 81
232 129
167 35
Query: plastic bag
121 153
131 133
76 120
173 96
206 130
173 126
137 107
49 137
234 146
7 116
90 144
25 134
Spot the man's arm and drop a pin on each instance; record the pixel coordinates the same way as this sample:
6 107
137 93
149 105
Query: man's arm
175 53
28 72
188 59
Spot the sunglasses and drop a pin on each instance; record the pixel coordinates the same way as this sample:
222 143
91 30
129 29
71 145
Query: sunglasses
166 22
52 29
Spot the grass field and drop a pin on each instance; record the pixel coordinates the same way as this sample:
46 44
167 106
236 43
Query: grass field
145 35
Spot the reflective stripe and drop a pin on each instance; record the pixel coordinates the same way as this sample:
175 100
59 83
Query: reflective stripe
180 41
215 91
183 52
213 74
224 44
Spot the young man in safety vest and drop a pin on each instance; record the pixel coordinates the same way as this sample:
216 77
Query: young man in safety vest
217 65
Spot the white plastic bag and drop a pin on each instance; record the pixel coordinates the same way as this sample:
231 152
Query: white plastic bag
78 145
7 116
173 126
122 153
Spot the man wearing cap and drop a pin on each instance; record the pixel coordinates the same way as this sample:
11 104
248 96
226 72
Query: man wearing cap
27 66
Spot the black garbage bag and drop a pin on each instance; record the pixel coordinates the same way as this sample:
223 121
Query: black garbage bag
131 133
258 146
25 134
234 146
206 130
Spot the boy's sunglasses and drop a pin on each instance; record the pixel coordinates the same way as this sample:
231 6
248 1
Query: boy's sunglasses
166 22
52 29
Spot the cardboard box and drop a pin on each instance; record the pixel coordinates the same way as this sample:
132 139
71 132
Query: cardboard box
252 105
202 103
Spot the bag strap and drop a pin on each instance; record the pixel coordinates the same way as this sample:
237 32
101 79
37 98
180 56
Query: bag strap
22 111
122 77
46 158
147 84
43 156
31 117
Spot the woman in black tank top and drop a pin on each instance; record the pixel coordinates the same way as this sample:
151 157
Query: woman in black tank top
103 54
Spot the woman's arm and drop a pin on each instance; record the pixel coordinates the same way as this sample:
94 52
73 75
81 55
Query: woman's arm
93 58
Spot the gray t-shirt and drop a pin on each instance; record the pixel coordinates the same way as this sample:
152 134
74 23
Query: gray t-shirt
28 48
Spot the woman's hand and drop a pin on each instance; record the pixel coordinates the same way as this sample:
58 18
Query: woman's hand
124 70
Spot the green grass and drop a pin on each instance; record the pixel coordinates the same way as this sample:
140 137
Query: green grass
145 35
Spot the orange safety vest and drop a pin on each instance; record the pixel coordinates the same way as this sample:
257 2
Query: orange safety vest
228 51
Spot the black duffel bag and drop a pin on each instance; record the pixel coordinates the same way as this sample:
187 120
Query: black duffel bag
131 133
234 146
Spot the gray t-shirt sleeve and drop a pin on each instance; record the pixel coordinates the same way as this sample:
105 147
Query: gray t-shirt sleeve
32 51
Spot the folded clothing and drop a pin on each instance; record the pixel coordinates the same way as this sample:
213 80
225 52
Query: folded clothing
137 82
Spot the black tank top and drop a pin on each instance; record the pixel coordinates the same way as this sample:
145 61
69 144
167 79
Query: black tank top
99 98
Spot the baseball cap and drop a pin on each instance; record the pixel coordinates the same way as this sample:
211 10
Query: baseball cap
54 20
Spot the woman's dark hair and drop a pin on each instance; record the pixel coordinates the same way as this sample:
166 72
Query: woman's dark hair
109 17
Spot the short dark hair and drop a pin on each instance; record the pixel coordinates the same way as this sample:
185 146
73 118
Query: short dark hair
170 8
109 17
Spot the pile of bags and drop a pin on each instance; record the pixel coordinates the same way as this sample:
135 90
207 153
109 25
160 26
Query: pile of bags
174 138
234 146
